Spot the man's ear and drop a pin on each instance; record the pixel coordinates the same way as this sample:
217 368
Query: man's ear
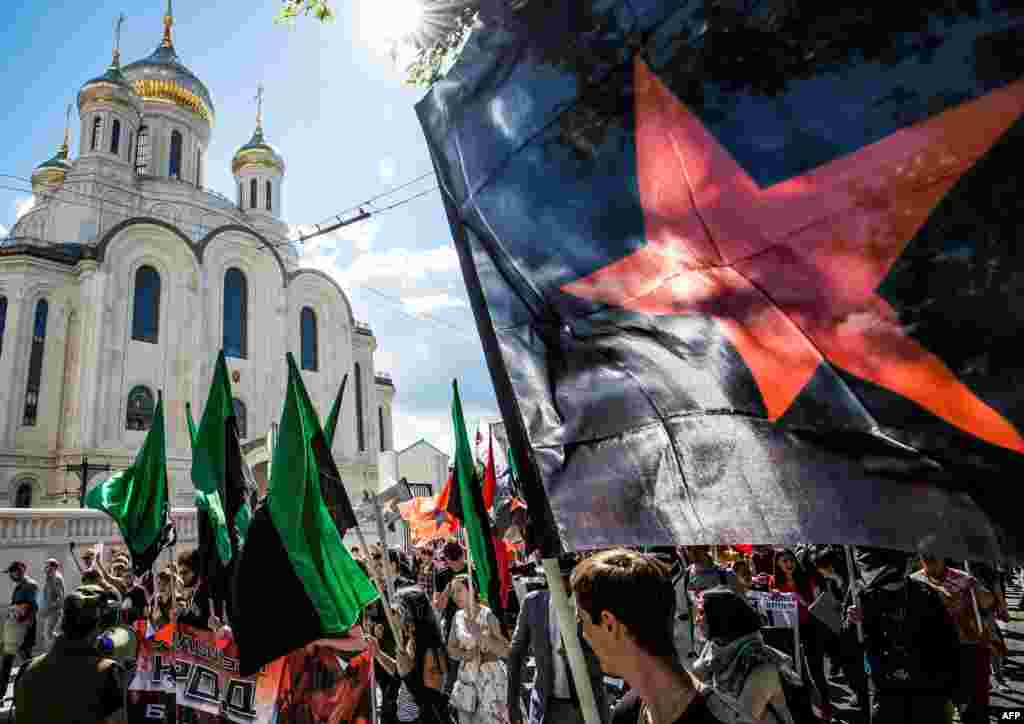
611 624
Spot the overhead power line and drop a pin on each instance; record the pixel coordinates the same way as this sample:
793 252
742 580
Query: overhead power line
363 214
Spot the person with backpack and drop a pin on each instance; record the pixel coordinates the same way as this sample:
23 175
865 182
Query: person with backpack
913 650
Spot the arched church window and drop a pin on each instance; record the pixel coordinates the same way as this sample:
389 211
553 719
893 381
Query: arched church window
270 193
97 133
23 496
240 418
131 137
141 406
3 322
199 166
175 163
115 136
142 151
380 424
236 314
35 364
253 188
310 343
146 310
360 432
241 197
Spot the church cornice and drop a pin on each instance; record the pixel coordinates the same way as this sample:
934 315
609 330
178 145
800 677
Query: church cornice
327 278
59 255
197 248
251 232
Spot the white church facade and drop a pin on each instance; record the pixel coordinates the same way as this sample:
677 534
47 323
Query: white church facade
127 277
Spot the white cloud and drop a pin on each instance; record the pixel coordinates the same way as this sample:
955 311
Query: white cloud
401 269
434 426
3 230
359 236
23 205
431 303
387 169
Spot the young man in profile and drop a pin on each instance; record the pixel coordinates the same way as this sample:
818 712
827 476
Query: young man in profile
625 606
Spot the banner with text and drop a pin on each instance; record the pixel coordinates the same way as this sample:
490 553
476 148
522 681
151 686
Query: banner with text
199 682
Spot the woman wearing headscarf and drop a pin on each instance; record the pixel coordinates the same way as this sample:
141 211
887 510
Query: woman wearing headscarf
791 577
420 661
736 664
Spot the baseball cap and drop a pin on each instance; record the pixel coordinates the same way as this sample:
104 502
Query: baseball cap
53 562
15 565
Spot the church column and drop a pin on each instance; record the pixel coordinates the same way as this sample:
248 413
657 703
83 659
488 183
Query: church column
10 392
93 318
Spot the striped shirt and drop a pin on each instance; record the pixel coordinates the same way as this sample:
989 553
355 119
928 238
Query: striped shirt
408 709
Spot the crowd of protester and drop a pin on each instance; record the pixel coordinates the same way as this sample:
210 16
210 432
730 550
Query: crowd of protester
676 626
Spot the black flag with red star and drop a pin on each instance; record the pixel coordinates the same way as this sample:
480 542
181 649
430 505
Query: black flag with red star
748 272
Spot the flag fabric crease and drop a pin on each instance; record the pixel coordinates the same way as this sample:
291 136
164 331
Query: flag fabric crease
137 498
295 540
727 300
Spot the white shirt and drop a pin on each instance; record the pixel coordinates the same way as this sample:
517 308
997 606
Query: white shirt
561 683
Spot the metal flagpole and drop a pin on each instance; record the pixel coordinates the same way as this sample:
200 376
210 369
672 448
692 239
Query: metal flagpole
570 637
851 568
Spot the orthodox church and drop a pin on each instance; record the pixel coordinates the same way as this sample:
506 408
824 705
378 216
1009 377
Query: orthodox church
128 275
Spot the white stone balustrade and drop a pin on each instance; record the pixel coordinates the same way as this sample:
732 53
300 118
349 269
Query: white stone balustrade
34 535
33 527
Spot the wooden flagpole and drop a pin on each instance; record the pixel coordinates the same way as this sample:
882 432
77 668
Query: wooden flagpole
570 636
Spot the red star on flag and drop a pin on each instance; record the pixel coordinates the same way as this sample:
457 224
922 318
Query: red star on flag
790 271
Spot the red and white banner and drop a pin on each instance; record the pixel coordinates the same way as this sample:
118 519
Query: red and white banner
197 681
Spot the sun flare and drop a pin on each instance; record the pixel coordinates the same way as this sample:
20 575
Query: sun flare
385 22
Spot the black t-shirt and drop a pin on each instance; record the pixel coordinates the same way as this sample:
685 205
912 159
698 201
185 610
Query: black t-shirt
627 711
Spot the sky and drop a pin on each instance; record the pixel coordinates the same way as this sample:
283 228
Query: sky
338 110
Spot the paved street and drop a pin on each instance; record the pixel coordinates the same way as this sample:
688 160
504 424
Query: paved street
1013 698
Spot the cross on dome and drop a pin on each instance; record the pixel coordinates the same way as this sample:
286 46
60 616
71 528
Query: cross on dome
168 22
259 106
116 62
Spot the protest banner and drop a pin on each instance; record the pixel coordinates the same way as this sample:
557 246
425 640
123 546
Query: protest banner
200 682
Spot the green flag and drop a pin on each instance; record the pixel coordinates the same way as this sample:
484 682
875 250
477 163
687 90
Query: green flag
294 541
223 482
191 424
137 498
332 418
473 513
209 454
211 513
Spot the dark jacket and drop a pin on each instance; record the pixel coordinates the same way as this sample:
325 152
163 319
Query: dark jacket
911 644
533 634
88 685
